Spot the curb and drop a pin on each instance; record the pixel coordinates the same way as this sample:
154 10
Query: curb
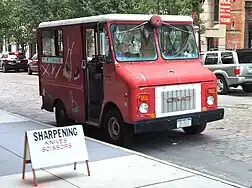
143 155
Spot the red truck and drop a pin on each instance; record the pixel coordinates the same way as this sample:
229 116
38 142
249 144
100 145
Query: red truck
126 74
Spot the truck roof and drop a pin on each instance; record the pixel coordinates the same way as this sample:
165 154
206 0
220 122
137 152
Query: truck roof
114 17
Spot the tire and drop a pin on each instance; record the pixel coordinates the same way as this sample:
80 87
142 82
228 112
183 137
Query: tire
222 86
247 88
116 131
194 129
61 115
4 69
29 71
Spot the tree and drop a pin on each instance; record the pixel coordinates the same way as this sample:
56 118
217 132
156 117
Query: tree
20 18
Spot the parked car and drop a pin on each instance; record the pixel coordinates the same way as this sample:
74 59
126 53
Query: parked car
33 64
232 68
13 61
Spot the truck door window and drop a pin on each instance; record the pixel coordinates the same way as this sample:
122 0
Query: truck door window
133 42
211 59
59 46
227 58
90 41
108 52
52 43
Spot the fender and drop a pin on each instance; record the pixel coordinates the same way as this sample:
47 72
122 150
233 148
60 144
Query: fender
105 107
223 73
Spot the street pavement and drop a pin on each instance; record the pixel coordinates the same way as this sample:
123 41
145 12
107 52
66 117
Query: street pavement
223 150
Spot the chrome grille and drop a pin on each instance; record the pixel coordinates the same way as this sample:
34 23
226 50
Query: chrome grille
178 100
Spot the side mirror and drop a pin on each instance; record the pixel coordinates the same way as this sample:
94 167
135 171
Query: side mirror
102 44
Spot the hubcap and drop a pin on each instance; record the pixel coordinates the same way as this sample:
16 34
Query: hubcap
220 85
114 128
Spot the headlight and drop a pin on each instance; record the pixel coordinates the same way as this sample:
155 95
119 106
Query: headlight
210 100
143 108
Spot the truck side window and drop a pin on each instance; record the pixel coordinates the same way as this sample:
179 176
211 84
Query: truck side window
227 58
52 43
90 43
59 44
211 59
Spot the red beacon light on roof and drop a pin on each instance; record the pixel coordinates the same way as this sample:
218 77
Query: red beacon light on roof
156 21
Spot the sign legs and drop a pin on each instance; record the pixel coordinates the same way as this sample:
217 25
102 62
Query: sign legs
75 166
34 178
27 161
24 159
88 170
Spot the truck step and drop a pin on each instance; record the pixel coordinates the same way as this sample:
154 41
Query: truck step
93 123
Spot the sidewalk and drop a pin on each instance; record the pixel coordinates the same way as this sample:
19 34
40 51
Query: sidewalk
110 166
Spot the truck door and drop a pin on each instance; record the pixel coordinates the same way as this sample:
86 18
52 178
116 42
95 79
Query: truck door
93 71
72 74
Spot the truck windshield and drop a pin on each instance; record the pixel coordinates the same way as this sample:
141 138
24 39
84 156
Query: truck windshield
133 42
177 42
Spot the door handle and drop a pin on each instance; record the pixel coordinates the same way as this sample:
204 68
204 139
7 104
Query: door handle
83 64
107 77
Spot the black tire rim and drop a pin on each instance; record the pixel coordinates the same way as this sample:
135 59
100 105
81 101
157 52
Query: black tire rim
114 128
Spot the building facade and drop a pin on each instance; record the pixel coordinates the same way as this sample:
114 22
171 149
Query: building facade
235 34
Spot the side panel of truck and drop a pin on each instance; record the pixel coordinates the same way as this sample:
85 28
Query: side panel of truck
62 79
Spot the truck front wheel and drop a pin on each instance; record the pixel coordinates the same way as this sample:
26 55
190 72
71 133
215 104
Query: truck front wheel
116 131
195 129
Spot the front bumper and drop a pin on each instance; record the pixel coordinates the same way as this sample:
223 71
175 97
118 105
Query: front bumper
166 123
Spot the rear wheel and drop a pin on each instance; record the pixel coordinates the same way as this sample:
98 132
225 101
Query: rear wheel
222 86
61 114
195 129
247 88
116 131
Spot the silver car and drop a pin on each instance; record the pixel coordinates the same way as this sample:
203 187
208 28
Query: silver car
232 68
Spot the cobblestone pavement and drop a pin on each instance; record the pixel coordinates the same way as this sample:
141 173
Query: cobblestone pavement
224 149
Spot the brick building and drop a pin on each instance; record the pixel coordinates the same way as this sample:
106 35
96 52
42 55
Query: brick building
236 34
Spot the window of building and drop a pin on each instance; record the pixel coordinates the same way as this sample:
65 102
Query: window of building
227 58
52 43
211 59
216 10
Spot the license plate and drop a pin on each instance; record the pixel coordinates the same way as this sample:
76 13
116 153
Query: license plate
185 122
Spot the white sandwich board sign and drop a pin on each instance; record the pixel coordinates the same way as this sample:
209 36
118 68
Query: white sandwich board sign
55 146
